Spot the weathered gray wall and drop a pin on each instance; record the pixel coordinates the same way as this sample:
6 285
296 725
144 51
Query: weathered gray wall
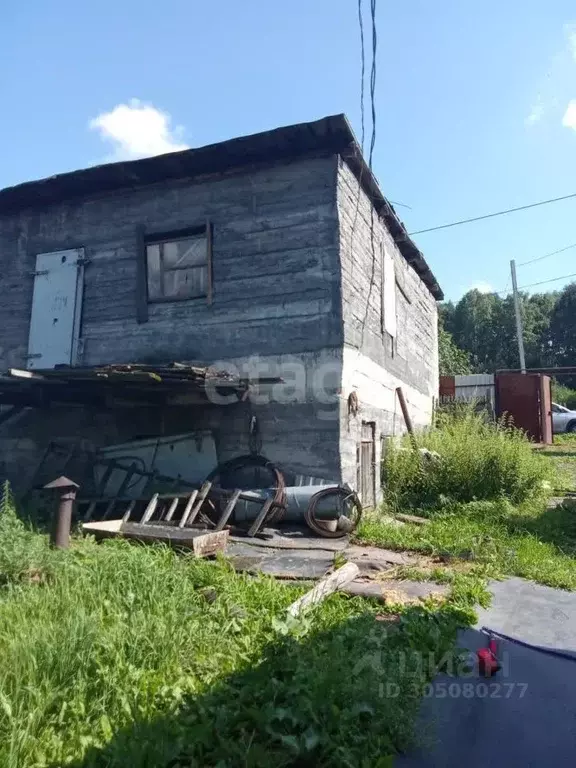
276 282
292 275
276 294
369 369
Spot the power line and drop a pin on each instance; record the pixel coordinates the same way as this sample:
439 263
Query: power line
363 72
373 81
547 255
542 282
492 215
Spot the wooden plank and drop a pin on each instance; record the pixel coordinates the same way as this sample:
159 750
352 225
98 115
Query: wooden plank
129 510
188 509
20 374
149 511
141 277
207 544
228 510
204 491
324 588
262 515
109 507
416 519
172 508
202 543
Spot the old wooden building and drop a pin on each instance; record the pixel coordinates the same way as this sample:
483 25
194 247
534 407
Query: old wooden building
273 256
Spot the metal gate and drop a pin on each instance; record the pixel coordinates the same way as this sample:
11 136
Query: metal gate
366 464
525 397
56 309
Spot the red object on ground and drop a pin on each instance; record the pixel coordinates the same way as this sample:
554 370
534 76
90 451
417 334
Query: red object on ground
487 660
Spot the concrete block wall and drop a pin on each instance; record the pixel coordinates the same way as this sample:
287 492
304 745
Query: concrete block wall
370 368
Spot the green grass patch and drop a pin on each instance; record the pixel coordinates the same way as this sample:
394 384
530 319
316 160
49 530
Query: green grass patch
532 541
126 655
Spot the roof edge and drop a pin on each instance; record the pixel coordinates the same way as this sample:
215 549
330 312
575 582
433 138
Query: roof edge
331 135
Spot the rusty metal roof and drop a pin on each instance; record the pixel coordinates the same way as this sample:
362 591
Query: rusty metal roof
330 135
135 383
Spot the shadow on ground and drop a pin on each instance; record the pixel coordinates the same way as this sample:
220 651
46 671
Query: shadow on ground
557 525
344 696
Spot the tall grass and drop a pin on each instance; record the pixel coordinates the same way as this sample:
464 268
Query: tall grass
478 460
125 655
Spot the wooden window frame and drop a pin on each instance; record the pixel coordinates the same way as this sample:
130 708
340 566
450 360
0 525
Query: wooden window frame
144 239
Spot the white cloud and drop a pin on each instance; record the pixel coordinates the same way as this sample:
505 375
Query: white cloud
481 286
138 130
556 86
569 119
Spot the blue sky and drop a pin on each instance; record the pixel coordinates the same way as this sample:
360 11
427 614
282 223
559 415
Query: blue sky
473 103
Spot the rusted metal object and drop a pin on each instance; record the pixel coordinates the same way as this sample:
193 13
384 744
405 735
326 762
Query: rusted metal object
407 419
525 399
60 534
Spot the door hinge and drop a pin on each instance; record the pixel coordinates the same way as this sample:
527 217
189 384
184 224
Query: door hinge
83 262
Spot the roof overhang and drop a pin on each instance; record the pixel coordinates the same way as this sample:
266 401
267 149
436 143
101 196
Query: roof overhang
330 135
126 385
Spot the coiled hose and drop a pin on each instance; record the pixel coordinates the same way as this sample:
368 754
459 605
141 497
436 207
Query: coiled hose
225 475
348 496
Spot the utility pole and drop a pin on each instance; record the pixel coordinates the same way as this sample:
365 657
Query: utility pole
518 313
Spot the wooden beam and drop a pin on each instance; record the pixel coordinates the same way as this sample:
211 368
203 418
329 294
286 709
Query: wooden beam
330 584
129 510
204 491
262 515
172 509
228 510
149 511
21 374
406 414
188 509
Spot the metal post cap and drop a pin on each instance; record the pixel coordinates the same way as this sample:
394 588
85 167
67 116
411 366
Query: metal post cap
62 482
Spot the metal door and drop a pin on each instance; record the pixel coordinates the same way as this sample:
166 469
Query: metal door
56 309
525 398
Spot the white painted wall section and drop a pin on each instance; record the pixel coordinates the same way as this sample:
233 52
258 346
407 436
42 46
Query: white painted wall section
376 388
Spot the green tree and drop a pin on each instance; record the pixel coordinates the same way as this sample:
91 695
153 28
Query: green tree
484 325
453 360
563 330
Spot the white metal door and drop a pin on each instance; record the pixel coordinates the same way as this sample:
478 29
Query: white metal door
56 309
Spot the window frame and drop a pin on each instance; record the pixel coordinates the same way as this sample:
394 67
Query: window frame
159 238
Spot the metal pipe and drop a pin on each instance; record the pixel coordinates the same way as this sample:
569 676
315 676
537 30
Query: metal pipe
60 533
518 314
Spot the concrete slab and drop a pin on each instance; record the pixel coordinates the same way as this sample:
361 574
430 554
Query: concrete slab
533 613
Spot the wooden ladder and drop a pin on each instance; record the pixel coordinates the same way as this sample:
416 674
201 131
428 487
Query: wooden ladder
165 508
